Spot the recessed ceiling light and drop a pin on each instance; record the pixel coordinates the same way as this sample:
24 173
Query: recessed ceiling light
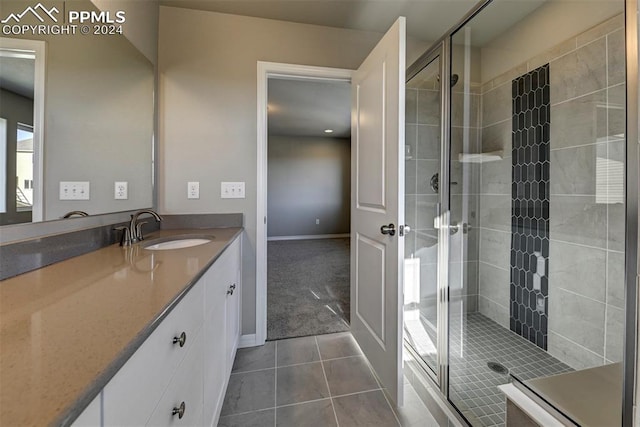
328 131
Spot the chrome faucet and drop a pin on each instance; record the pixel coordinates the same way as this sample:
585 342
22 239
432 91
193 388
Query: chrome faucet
135 227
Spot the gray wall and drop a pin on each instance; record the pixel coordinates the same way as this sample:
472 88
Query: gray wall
586 261
308 179
15 109
141 26
207 67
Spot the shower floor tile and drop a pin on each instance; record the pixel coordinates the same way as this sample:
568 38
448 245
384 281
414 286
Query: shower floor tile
476 340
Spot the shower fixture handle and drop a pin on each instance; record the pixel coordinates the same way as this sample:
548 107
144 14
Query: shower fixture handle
388 229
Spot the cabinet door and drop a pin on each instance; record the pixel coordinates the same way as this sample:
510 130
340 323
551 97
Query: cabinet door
185 389
91 416
133 393
233 304
215 369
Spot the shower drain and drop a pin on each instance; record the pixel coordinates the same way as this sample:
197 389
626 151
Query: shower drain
498 367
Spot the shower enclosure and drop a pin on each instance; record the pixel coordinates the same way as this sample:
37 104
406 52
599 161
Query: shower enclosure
515 188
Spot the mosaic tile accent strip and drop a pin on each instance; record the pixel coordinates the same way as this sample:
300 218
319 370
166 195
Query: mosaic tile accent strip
530 206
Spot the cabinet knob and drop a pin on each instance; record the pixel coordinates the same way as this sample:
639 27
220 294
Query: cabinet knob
182 339
179 411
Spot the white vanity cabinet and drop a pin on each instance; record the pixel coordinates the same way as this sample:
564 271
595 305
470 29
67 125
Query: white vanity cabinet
178 376
92 415
222 328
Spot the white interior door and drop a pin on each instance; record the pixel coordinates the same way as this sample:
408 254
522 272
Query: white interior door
378 103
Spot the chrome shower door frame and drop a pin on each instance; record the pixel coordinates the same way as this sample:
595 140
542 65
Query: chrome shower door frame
440 51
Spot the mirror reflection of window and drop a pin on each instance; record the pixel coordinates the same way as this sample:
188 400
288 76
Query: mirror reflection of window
3 165
17 94
24 168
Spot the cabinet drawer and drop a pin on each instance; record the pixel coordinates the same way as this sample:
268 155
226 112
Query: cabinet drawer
133 393
184 388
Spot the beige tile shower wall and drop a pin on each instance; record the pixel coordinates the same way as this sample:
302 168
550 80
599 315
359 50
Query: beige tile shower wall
586 262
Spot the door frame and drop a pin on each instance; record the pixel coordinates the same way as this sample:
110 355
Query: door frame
268 70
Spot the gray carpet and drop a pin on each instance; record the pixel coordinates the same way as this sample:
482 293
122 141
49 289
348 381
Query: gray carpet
307 287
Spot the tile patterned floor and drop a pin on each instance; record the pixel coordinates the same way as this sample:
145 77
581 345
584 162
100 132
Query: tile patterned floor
313 381
476 340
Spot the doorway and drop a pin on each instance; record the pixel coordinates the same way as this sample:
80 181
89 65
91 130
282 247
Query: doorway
269 72
308 206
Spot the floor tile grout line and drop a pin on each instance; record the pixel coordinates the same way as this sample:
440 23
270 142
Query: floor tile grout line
391 407
318 361
251 372
301 403
326 381
356 392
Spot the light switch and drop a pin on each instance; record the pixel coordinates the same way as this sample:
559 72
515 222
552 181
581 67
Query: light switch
232 190
193 190
74 190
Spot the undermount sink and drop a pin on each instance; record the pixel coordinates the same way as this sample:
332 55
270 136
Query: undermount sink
177 242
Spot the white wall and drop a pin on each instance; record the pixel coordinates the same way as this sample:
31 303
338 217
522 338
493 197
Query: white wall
208 83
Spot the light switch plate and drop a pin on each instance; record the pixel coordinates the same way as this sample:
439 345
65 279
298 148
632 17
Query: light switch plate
74 190
193 190
121 190
232 190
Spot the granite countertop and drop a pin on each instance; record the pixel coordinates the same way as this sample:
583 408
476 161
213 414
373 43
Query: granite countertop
66 329
590 397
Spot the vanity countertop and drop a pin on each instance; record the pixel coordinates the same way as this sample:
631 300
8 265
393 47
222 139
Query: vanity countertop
66 329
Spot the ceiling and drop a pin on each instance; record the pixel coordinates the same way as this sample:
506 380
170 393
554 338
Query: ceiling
366 15
308 107
17 75
427 20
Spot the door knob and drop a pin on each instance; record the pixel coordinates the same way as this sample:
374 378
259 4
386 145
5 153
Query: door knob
388 229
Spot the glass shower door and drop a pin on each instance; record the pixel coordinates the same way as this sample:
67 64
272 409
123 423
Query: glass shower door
422 179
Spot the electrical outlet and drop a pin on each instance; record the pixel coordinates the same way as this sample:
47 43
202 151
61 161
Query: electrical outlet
193 190
121 190
232 190
74 190
317 221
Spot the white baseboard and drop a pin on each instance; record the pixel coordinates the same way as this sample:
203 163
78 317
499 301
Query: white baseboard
308 237
247 341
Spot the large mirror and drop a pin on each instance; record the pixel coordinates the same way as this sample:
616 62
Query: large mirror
76 114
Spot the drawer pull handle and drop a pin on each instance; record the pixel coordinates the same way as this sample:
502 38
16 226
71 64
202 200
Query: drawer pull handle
231 289
179 411
182 339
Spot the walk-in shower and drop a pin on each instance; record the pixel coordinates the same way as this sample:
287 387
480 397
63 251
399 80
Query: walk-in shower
516 267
